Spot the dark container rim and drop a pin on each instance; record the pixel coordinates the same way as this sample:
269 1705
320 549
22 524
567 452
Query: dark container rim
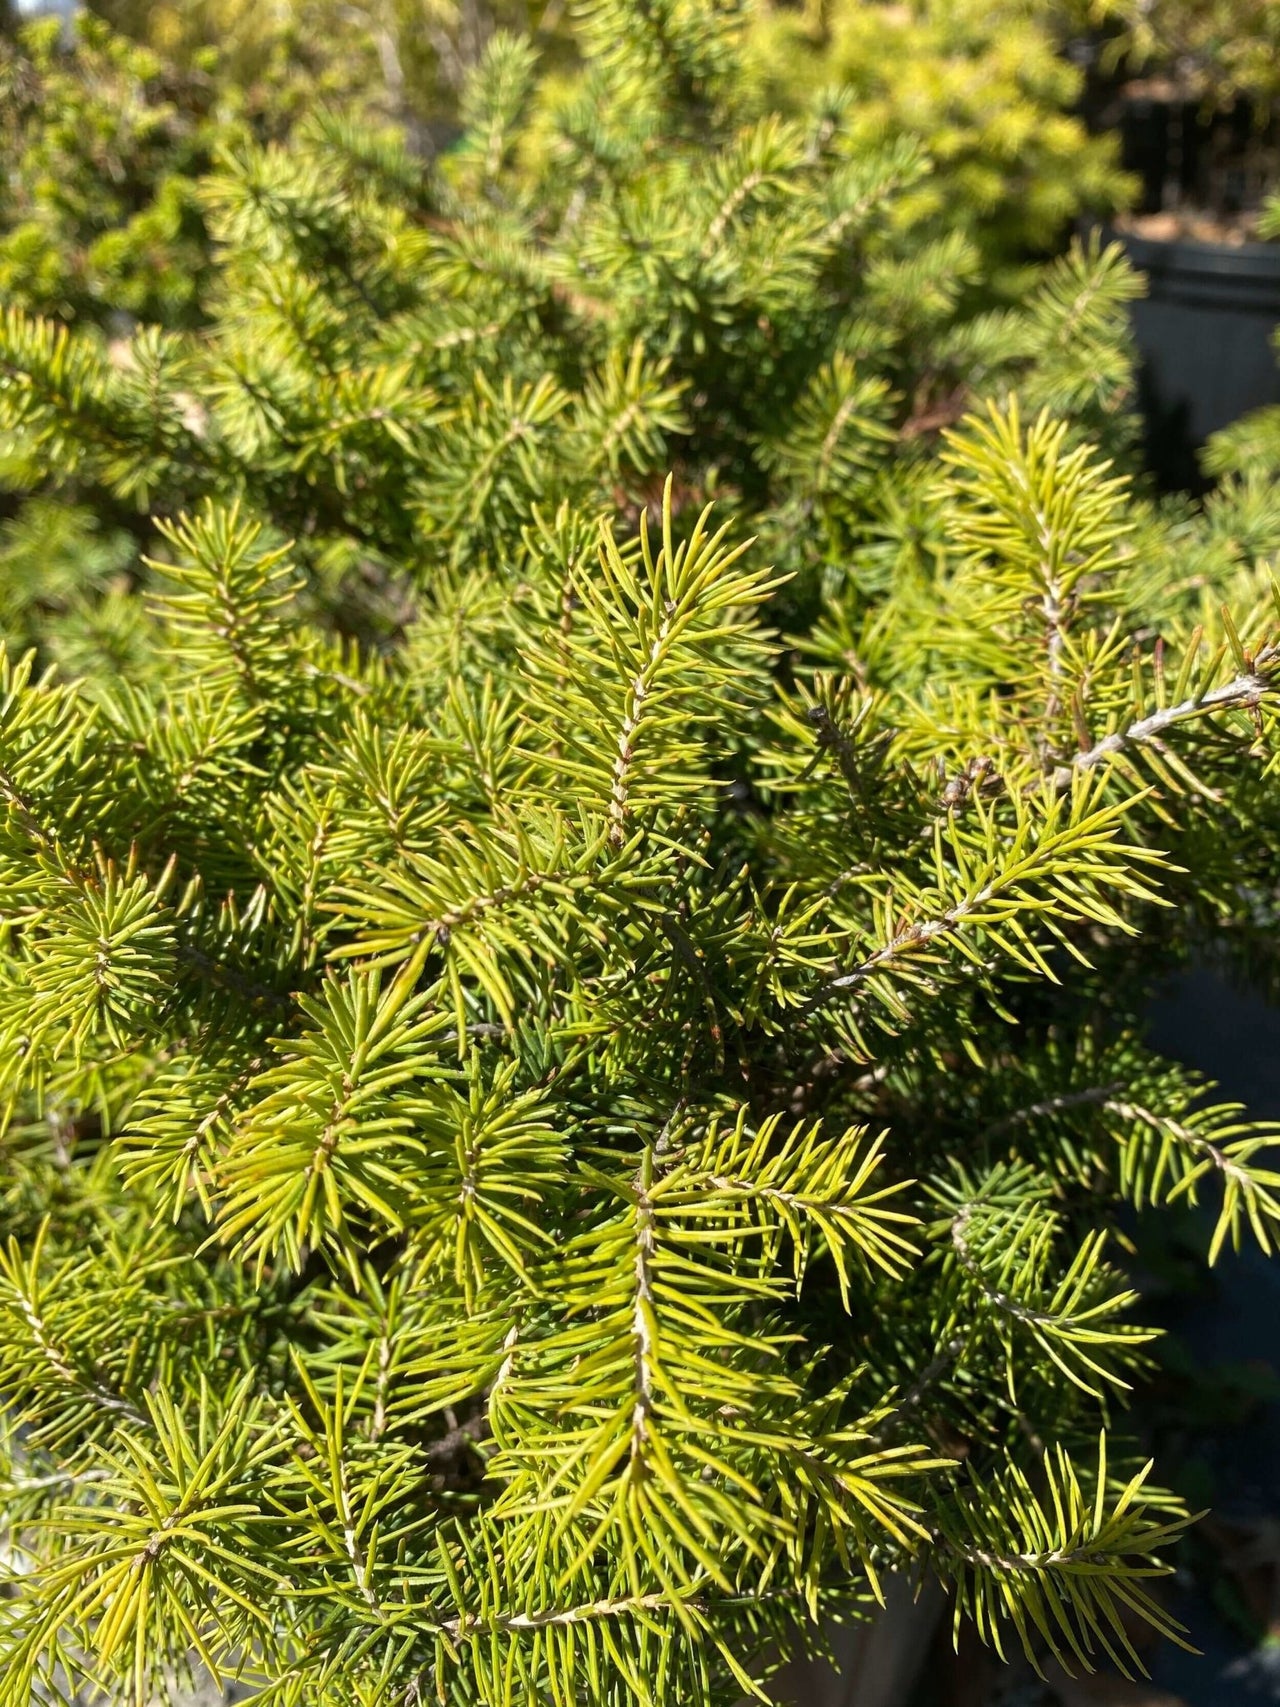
1241 261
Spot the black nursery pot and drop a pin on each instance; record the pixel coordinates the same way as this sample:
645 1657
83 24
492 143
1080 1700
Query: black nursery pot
1204 333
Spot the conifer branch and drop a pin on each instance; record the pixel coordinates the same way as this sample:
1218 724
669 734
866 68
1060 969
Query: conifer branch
1243 692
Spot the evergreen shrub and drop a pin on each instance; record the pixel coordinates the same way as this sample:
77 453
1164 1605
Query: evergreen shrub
572 1079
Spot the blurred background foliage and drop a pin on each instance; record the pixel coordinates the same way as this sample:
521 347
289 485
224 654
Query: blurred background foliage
412 55
986 85
100 147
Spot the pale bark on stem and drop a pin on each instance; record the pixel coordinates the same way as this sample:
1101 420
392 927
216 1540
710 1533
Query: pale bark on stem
1242 693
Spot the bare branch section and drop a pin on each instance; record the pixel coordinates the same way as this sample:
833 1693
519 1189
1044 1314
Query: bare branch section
95 1389
643 1335
1109 1101
1001 1300
1242 693
917 936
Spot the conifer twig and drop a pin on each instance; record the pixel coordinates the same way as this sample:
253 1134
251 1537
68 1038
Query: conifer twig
1243 692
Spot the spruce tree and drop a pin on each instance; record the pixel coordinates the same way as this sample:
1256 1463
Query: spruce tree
557 1141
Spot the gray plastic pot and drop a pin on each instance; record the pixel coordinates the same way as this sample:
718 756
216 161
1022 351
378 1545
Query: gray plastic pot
875 1662
1204 335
